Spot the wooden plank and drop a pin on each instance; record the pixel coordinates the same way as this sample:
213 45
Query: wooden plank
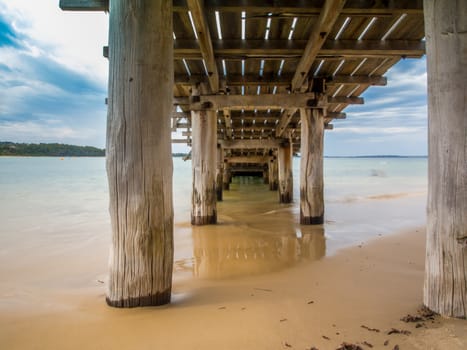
187 141
372 48
320 31
336 115
283 80
247 159
352 100
205 44
357 79
251 102
309 7
249 144
238 79
84 5
289 49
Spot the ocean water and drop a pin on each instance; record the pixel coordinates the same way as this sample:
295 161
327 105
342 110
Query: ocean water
54 214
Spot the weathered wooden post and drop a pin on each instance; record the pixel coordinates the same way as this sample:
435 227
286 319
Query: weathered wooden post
203 160
226 177
273 175
311 167
266 176
219 172
285 157
139 161
445 288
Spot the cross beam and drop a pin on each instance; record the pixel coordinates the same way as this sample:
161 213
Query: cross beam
205 44
283 80
250 144
293 49
283 8
320 31
84 5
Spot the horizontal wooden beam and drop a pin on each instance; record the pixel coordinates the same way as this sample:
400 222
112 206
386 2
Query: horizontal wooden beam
251 102
187 141
357 79
336 115
84 5
247 159
352 100
238 79
279 8
270 49
283 80
289 8
250 144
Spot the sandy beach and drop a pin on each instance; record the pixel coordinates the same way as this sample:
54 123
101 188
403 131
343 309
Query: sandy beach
356 296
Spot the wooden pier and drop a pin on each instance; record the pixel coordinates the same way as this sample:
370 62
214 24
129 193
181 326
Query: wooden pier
248 84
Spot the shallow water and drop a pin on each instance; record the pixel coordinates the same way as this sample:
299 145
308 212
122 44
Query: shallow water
55 228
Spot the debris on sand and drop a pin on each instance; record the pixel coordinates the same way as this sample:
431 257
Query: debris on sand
399 331
324 337
411 318
427 313
367 344
348 346
370 329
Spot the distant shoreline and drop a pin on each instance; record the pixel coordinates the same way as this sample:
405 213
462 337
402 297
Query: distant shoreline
48 150
13 149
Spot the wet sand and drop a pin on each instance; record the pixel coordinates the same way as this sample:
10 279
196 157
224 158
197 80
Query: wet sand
319 303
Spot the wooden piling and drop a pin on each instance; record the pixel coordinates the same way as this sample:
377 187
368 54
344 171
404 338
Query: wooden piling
226 177
204 163
273 175
445 289
219 172
311 167
285 183
138 150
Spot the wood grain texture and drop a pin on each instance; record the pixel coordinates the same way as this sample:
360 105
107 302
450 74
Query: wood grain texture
273 174
285 180
311 167
219 172
139 161
204 164
226 177
445 289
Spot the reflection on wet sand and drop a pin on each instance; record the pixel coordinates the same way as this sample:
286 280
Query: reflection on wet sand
255 235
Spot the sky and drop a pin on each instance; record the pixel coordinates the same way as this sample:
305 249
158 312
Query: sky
53 84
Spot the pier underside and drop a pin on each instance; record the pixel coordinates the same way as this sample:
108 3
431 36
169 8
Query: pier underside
248 84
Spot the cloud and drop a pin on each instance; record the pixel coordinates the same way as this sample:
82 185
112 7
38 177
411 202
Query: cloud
393 119
44 96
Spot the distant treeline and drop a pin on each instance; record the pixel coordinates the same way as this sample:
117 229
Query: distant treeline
48 150
54 150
